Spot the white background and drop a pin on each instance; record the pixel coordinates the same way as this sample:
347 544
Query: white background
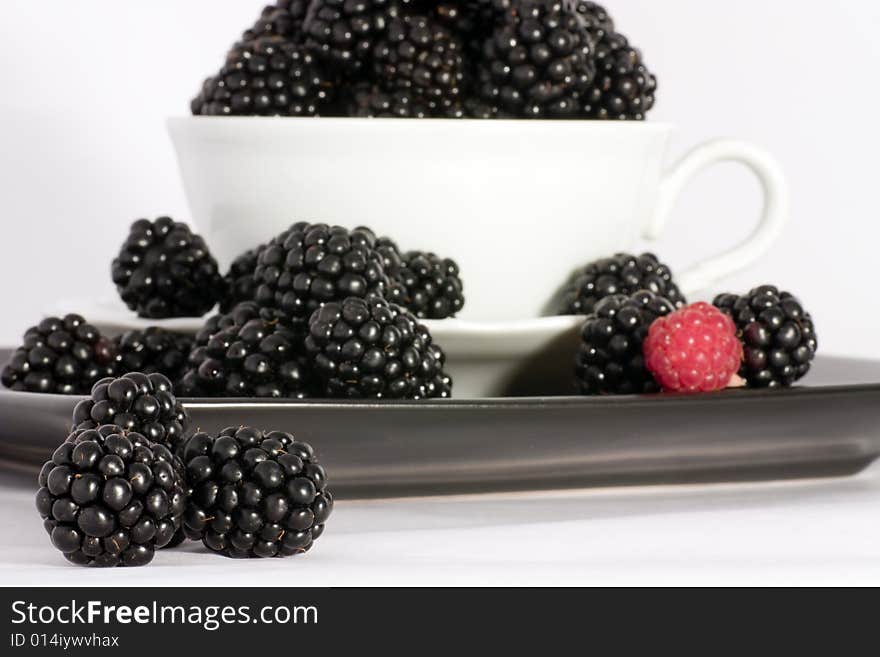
86 87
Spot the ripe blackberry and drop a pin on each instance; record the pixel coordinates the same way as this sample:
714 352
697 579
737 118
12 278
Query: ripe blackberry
60 355
110 498
345 31
610 359
240 284
283 19
538 62
623 273
778 335
369 348
135 402
267 77
257 358
254 494
424 60
593 16
624 88
164 270
153 350
370 101
312 264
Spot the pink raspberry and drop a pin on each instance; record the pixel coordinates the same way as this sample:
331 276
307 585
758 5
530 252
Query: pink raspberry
694 349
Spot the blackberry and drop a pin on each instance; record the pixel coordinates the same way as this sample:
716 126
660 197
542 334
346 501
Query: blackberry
424 60
254 494
283 19
110 498
344 32
61 355
256 358
593 16
778 335
624 88
270 76
610 359
538 62
135 402
370 348
153 350
312 264
164 270
370 101
240 284
622 273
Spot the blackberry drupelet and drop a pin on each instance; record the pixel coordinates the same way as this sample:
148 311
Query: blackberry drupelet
424 60
312 264
153 350
344 32
135 402
778 335
254 494
60 355
610 359
268 77
283 19
240 284
624 88
257 358
111 498
372 349
623 273
164 270
538 62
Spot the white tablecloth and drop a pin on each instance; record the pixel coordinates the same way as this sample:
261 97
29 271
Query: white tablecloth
798 532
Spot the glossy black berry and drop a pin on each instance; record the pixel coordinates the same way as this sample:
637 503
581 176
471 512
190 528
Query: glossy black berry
779 339
538 62
309 265
240 283
110 497
254 493
164 270
623 89
370 348
610 358
344 32
60 355
623 273
137 402
270 76
283 19
153 350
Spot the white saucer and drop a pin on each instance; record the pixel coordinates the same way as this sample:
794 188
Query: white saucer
485 359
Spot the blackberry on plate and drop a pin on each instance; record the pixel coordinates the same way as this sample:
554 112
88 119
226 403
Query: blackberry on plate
423 59
152 350
110 498
257 358
623 273
370 101
164 270
538 62
373 349
283 19
254 494
240 284
343 32
312 264
270 76
610 358
135 402
778 335
624 88
60 355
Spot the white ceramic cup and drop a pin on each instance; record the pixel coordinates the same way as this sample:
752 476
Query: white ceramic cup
518 204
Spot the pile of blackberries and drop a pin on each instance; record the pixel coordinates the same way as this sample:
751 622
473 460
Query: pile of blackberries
440 59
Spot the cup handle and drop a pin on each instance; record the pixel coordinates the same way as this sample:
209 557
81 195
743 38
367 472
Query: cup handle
773 216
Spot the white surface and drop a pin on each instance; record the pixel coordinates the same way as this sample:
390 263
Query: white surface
821 532
472 186
84 149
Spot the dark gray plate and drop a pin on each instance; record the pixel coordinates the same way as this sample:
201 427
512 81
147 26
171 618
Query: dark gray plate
828 427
